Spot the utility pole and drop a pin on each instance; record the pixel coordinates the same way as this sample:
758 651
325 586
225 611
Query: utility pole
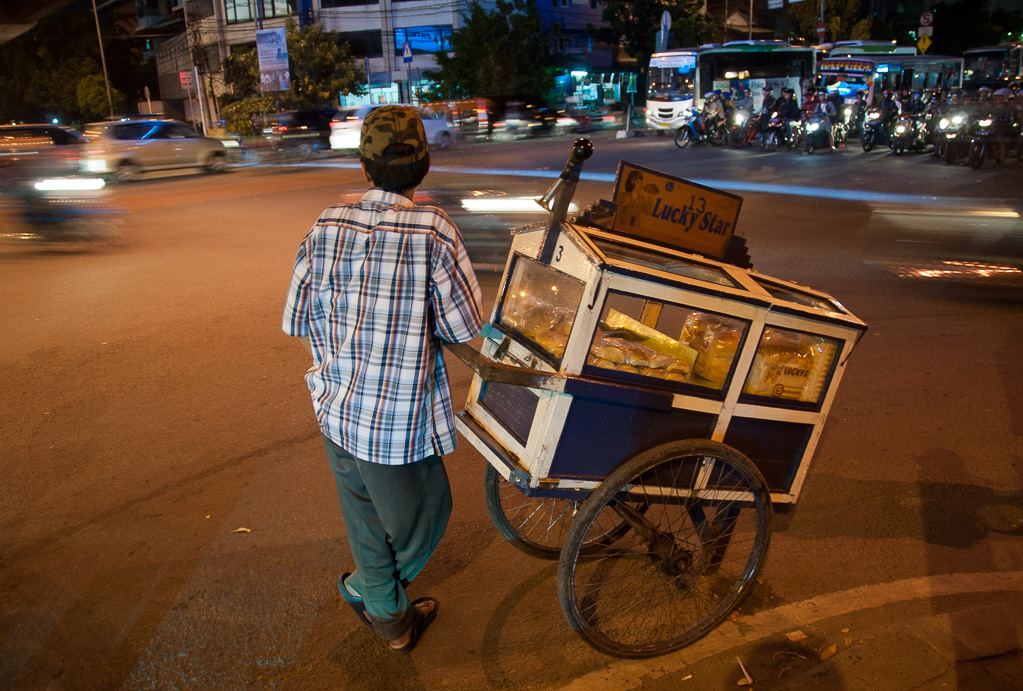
103 59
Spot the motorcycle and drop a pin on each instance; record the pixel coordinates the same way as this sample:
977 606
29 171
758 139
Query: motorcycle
951 140
692 131
874 131
68 209
984 142
744 129
906 135
777 133
816 133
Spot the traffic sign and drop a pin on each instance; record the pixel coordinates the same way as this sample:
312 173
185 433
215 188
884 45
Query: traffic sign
926 19
925 31
821 30
924 43
406 53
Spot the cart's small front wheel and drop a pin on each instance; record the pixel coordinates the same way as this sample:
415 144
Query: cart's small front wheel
538 525
700 514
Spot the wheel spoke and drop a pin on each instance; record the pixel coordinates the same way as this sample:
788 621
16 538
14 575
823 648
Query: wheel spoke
702 524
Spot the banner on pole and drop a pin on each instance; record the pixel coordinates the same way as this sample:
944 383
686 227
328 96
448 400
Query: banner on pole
272 48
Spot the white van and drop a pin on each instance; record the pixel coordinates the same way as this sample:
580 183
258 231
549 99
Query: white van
346 127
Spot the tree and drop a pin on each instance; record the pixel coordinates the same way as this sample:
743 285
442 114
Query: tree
633 24
499 53
91 98
842 18
40 70
321 66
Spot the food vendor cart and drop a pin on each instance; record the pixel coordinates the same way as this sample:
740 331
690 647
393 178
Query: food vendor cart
642 405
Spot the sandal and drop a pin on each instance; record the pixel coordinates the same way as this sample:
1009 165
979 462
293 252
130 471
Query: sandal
419 623
356 603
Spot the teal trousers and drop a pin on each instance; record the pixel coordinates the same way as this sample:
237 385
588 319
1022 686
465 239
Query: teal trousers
395 516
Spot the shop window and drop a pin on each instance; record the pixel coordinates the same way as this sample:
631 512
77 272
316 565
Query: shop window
248 10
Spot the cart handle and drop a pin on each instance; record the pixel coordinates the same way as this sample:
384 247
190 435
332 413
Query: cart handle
559 196
574 385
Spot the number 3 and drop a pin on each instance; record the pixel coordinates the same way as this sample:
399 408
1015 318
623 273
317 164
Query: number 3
561 248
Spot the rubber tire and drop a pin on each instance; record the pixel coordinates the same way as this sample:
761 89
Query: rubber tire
950 154
545 542
215 163
717 136
976 155
680 572
127 172
998 153
737 137
683 137
867 142
771 142
809 145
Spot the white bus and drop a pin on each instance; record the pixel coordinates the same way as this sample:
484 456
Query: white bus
875 73
678 78
840 48
994 66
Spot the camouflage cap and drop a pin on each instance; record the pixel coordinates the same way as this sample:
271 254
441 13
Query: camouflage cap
388 126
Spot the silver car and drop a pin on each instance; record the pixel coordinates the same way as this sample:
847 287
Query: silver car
122 150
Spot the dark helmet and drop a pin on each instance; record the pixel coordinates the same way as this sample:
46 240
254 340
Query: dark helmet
768 89
888 94
917 95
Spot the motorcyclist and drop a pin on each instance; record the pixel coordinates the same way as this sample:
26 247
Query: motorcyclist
890 111
837 100
743 99
809 100
787 109
713 112
825 111
767 107
915 106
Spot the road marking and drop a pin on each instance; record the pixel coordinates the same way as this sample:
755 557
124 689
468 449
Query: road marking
732 634
732 185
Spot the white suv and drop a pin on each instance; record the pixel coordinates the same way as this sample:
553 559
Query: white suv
125 149
346 127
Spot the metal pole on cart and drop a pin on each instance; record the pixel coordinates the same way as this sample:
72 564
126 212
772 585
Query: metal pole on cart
559 196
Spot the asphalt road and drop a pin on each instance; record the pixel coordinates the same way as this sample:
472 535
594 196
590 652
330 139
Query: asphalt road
150 408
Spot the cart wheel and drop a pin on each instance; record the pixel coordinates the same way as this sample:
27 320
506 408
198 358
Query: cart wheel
539 525
701 518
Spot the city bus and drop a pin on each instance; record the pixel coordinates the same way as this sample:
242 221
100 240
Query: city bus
842 48
875 73
993 66
679 78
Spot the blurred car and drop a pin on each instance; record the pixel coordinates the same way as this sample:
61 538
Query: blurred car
301 132
346 127
37 151
124 150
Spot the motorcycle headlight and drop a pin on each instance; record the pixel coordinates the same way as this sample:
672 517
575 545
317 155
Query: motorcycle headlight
986 122
873 116
900 129
740 118
957 120
848 112
813 127
943 123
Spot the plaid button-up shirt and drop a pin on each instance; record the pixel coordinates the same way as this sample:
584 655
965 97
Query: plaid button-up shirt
377 285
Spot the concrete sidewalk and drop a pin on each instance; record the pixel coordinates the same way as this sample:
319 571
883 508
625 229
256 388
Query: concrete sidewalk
969 640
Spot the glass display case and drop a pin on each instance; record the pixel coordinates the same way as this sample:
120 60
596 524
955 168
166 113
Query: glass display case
644 344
